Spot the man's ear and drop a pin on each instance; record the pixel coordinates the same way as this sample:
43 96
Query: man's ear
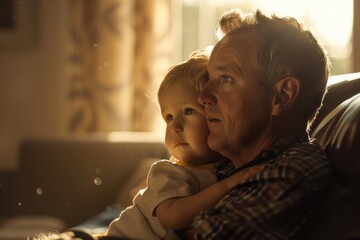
285 92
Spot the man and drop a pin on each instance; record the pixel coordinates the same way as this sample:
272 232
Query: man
267 78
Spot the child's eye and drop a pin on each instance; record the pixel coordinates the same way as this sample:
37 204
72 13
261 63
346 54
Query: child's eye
169 118
189 111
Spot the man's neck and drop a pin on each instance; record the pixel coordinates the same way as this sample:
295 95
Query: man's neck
247 153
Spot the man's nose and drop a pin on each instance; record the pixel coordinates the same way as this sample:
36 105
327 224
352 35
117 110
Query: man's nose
207 95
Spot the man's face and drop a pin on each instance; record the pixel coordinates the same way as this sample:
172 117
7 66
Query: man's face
237 104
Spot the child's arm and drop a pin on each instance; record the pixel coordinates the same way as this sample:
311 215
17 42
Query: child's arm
176 213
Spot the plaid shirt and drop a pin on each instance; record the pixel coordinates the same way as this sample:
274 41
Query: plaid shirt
273 204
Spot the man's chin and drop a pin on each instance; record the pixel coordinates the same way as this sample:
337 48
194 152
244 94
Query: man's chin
214 142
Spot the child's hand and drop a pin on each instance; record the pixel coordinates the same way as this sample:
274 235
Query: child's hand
243 175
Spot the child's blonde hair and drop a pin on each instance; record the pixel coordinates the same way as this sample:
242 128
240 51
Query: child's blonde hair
192 70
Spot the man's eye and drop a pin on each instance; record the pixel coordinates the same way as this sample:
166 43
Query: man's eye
189 111
225 79
169 118
201 83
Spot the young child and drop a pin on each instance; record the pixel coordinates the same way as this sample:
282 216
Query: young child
180 188
189 170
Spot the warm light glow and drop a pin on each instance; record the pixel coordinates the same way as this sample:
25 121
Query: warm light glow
329 20
343 77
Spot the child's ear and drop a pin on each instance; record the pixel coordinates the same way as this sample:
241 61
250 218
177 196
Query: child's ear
285 92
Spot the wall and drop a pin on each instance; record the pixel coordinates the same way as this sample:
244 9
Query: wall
356 37
34 81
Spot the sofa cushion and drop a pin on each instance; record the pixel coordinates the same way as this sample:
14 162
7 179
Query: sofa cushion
339 134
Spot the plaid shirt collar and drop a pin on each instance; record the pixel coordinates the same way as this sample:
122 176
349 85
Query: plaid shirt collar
226 168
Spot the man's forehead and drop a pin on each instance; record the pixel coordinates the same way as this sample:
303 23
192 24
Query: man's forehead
227 51
235 46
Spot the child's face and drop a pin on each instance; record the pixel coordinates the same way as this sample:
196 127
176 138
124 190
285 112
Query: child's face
186 126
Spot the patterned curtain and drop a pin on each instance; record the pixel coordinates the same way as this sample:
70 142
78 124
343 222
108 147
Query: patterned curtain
118 57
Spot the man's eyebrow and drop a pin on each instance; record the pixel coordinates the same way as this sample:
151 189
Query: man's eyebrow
232 67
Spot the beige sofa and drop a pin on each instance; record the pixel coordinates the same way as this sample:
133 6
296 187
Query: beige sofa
73 178
66 180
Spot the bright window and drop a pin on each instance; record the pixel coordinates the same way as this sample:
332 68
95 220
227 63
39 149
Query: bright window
331 21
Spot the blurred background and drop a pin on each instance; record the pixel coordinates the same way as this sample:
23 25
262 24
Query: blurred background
93 66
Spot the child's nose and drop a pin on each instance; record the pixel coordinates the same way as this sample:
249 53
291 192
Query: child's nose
176 127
